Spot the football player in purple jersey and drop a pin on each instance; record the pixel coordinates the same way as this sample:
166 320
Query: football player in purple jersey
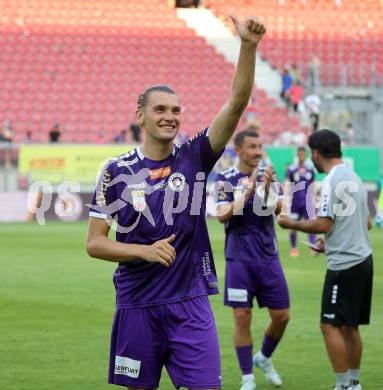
300 178
253 269
155 195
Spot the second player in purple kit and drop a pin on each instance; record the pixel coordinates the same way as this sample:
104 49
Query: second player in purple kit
253 269
156 197
300 178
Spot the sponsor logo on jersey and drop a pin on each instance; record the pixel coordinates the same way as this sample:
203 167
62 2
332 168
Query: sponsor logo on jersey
137 186
126 366
330 316
177 182
160 173
139 203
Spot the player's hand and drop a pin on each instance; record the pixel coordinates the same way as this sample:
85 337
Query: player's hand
252 182
161 252
285 222
268 176
320 243
250 31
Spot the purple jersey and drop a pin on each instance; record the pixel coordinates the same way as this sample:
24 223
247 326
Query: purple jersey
300 173
151 200
249 237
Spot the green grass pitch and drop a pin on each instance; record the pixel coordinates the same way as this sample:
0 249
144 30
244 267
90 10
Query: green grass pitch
56 308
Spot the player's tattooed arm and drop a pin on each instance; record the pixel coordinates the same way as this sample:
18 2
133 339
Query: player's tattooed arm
222 128
98 245
321 225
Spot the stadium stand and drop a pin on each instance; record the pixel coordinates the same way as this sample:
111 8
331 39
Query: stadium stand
83 63
346 35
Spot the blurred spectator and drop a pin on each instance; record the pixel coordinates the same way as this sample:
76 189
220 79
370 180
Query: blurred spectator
299 138
349 132
100 138
313 103
187 3
7 132
136 132
295 74
289 138
6 137
314 74
295 94
252 124
120 138
284 139
28 137
55 133
286 83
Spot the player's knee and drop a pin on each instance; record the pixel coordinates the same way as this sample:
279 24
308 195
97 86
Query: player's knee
281 319
284 319
242 318
328 329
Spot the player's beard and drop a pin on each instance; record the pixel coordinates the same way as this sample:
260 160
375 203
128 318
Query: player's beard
317 166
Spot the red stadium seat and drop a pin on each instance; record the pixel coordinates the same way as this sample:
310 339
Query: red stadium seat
84 63
298 30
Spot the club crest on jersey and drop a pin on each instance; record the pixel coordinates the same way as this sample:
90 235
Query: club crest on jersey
139 202
177 182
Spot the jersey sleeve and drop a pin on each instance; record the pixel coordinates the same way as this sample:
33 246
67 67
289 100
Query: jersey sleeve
202 153
104 196
223 191
326 201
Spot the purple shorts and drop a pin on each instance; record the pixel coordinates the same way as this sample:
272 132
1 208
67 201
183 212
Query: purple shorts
302 210
181 336
263 280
